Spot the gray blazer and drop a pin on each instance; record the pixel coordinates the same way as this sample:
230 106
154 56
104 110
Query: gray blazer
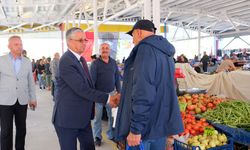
12 86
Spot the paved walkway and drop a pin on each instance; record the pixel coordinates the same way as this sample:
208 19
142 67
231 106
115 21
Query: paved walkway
40 131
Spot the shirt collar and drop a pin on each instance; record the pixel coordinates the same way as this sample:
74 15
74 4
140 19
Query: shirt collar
18 58
77 55
103 60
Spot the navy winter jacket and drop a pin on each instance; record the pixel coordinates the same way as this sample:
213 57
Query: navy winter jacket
149 104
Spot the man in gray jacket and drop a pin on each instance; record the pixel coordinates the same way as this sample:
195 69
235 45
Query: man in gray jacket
54 66
17 90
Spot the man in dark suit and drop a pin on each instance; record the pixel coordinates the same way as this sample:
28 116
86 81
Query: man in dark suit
75 96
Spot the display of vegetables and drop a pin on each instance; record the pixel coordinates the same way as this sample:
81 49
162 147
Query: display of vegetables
199 103
208 141
192 125
234 114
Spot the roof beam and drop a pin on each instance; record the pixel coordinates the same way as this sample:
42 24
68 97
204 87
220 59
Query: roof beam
230 20
243 9
14 27
211 25
183 20
138 4
3 11
195 4
128 4
230 28
51 8
35 11
204 13
176 3
234 33
105 9
193 38
86 16
197 18
45 25
80 18
41 3
209 3
169 14
229 6
244 41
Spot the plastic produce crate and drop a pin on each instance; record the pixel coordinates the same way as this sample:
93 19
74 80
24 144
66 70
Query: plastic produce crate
239 135
183 146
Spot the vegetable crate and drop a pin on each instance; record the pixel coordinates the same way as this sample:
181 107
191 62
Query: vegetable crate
183 146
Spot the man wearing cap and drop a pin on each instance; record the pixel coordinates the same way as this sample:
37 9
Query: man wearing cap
148 111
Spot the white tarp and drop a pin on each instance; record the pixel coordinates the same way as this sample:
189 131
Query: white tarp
235 84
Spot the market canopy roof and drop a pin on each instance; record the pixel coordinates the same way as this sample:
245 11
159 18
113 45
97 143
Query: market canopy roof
216 17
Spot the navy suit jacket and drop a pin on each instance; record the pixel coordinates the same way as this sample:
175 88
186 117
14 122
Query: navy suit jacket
75 95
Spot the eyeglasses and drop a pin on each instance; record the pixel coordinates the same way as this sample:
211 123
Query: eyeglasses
80 40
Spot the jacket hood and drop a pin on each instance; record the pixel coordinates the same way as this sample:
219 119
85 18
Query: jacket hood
160 43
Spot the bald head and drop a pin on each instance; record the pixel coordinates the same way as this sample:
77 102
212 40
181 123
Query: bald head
139 35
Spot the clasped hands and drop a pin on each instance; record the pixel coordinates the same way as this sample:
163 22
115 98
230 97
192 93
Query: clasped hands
114 100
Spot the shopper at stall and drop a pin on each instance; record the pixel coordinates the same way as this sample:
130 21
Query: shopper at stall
148 110
205 61
48 73
226 65
17 90
182 59
41 74
105 75
75 96
24 53
54 66
234 57
214 60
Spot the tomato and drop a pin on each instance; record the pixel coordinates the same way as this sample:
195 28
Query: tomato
192 112
203 108
188 116
205 124
196 128
186 131
201 130
210 105
199 124
189 120
188 126
192 132
194 101
203 119
191 107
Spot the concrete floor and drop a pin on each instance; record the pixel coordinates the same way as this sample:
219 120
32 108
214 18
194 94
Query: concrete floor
40 131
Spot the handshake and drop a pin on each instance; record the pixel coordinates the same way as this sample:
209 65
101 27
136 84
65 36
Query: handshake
114 100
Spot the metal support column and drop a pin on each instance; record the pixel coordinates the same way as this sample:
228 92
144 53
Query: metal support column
95 47
165 29
157 15
199 39
147 9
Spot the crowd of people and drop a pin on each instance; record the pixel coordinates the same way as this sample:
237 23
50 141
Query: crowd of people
227 63
44 71
147 110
